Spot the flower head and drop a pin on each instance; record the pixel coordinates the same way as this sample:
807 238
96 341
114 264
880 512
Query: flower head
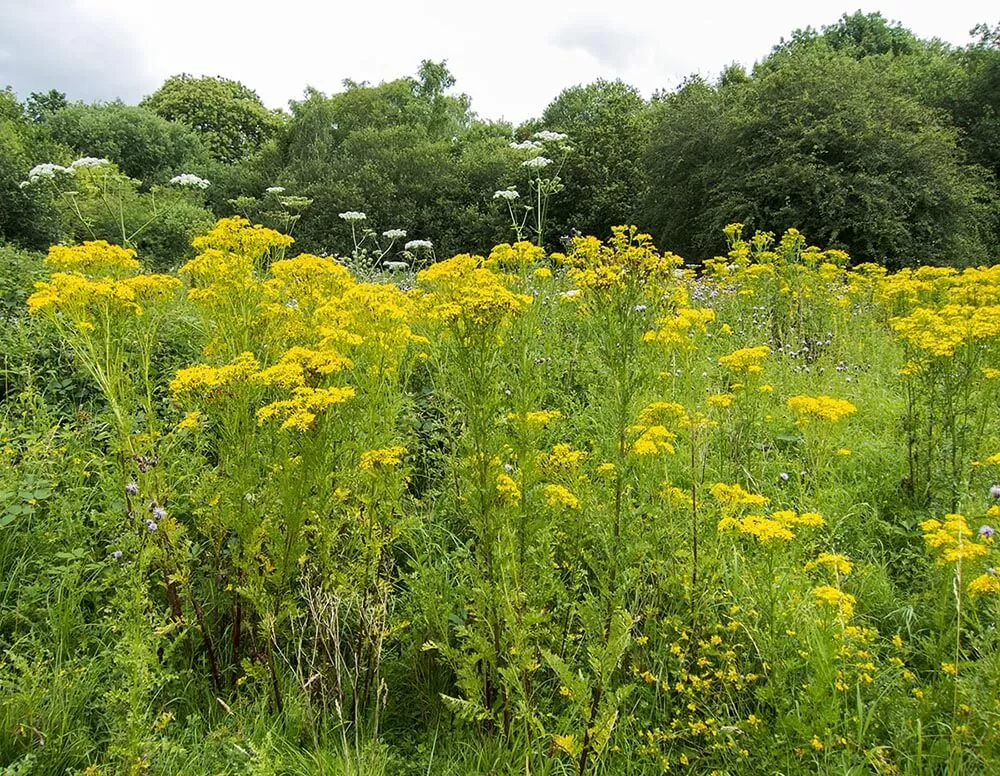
413 245
987 531
274 190
117 555
548 136
132 489
508 194
159 513
150 526
353 215
88 161
537 163
394 234
190 180
995 491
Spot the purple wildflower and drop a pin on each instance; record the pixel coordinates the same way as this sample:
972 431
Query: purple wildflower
117 555
995 491
159 513
151 526
132 489
784 477
987 531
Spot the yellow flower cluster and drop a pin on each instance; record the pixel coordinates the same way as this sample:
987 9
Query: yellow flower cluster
938 333
746 360
381 458
952 539
211 381
733 497
839 564
560 497
563 459
508 489
985 584
654 440
822 408
534 418
465 290
776 527
299 413
629 256
517 256
681 328
827 595
97 257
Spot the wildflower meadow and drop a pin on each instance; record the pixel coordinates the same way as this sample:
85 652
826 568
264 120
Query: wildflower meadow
582 512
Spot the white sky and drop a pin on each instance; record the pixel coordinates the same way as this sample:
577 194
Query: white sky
511 58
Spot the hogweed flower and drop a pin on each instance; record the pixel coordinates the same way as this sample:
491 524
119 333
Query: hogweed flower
508 194
548 136
88 161
353 215
526 145
46 170
394 234
537 163
190 180
413 245
274 190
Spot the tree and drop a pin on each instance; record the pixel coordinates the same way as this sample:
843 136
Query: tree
825 142
604 179
41 105
229 116
140 142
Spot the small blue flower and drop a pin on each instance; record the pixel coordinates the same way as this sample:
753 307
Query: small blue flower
117 555
132 489
151 526
159 513
987 531
784 477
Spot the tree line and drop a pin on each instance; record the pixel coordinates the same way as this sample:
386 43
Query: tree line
861 134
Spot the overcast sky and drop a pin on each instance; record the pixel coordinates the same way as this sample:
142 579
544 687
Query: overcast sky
511 58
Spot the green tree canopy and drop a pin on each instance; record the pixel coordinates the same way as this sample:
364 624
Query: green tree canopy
230 116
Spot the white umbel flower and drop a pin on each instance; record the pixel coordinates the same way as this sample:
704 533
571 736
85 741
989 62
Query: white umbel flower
526 145
274 190
190 180
394 234
415 244
88 161
508 194
46 170
537 163
551 137
353 215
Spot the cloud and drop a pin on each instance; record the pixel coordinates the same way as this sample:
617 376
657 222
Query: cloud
611 47
60 44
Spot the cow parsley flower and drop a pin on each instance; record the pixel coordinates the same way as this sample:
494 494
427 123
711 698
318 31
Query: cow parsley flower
190 180
353 215
394 234
508 194
415 244
537 163
274 190
527 145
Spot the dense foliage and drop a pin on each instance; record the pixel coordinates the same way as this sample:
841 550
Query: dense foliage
579 512
867 137
330 445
